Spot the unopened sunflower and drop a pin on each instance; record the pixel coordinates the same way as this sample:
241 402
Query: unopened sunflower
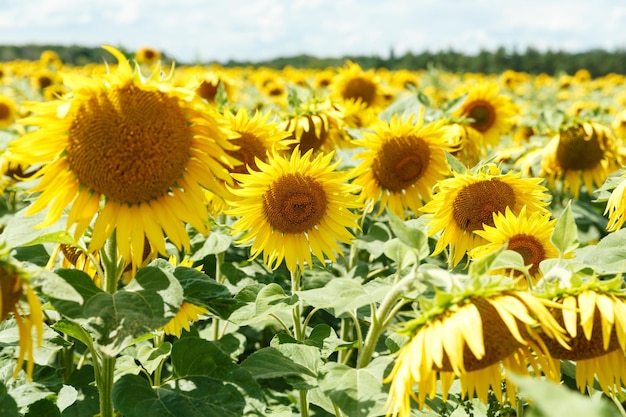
131 152
19 299
488 111
584 150
594 315
473 335
402 162
466 202
292 208
527 234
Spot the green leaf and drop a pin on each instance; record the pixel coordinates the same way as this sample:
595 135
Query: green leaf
357 392
551 399
269 299
192 397
147 303
72 329
270 362
455 165
150 357
308 356
86 403
408 106
23 230
608 256
216 242
401 253
325 339
35 254
565 234
8 407
43 408
410 233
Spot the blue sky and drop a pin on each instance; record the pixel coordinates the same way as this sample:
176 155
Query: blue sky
208 30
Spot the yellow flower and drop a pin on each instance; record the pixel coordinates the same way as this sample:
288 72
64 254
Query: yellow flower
586 150
472 336
147 56
527 234
402 162
17 297
594 315
294 208
491 113
130 152
466 202
8 112
616 207
352 83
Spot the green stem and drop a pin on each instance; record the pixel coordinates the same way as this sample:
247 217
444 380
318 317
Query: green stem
105 387
299 332
158 341
344 335
219 277
381 319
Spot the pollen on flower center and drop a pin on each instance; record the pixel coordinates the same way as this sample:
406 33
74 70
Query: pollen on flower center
483 114
530 248
476 203
401 162
294 203
10 291
129 144
577 150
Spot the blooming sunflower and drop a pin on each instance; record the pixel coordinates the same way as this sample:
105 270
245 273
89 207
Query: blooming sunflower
8 112
616 206
253 138
402 162
586 150
292 208
472 334
18 297
491 113
188 312
147 56
466 202
352 83
527 234
594 315
128 151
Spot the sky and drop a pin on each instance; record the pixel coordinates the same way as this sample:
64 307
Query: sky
254 30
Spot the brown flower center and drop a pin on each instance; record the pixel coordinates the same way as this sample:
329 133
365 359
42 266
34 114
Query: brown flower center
294 203
530 248
207 90
10 290
5 111
476 203
250 147
309 139
128 144
360 88
483 114
497 339
577 150
401 162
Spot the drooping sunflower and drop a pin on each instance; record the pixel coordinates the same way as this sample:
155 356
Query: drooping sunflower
254 137
19 299
8 112
584 150
402 162
188 312
466 202
129 151
292 208
527 234
491 112
594 315
472 334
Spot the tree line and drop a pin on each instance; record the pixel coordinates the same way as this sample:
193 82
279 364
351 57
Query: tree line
598 62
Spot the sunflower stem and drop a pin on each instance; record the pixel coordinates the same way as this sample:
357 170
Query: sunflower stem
299 332
220 278
381 319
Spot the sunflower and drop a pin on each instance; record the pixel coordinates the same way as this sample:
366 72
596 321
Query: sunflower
351 83
466 143
253 138
402 163
129 151
466 202
188 312
292 208
18 298
586 150
488 111
147 56
527 234
594 315
616 206
472 334
8 112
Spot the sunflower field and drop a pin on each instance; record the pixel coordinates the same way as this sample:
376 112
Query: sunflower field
198 240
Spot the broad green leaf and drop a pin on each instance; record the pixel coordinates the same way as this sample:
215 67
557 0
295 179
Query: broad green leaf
551 399
345 294
308 356
150 357
72 329
43 408
565 234
325 339
66 397
192 397
86 404
216 242
401 253
22 230
608 256
455 165
269 299
405 107
34 254
357 392
410 233
269 362
8 406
